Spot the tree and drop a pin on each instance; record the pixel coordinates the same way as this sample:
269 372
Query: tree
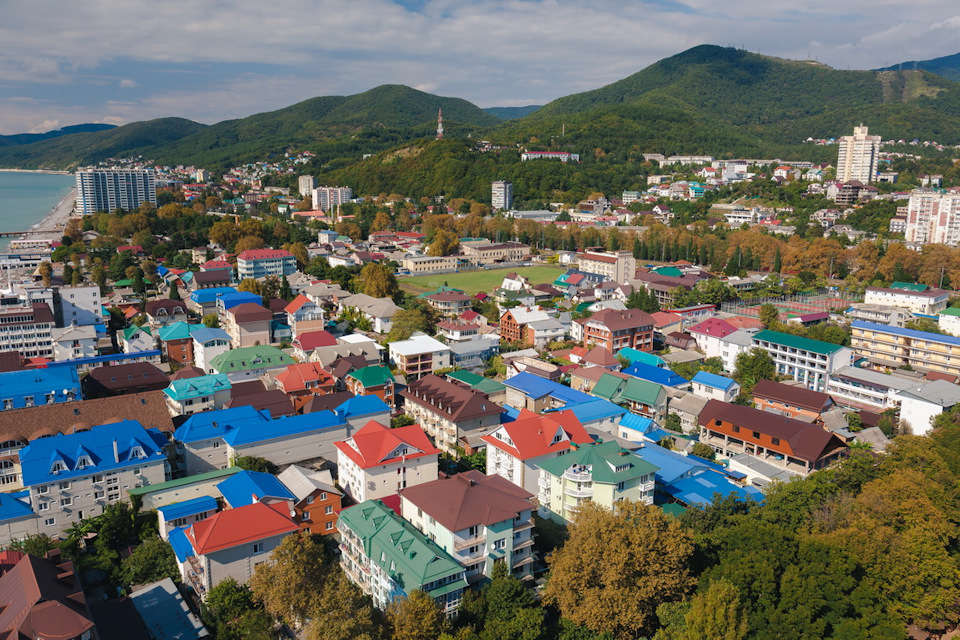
232 613
67 273
402 420
751 367
509 609
289 586
416 617
703 451
299 251
175 292
343 613
46 272
211 320
769 315
139 286
285 293
405 323
250 285
672 423
151 561
249 243
34 544
381 222
444 243
378 281
716 613
777 262
854 421
616 568
253 463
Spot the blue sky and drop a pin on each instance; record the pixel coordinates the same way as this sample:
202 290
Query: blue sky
65 62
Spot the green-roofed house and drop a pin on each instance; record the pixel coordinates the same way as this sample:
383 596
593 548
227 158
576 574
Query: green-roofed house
443 289
137 339
176 341
496 391
600 471
194 395
642 397
388 558
672 272
949 320
805 360
372 381
909 286
249 363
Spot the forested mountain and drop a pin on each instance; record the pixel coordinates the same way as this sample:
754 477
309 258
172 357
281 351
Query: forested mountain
27 138
712 100
947 66
512 113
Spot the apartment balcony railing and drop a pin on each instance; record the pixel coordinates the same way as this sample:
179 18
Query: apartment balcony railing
579 493
578 476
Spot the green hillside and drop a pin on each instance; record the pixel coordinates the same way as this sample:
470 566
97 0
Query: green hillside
28 138
947 66
512 113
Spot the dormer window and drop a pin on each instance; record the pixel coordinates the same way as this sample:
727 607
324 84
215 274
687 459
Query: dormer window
137 453
58 467
83 462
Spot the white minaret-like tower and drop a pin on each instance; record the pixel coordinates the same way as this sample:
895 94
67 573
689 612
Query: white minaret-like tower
440 124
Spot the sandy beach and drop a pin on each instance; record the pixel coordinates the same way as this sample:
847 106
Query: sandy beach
56 220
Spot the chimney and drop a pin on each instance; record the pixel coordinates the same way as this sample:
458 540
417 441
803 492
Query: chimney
116 452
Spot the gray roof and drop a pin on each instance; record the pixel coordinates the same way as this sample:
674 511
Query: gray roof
545 325
375 307
302 482
939 392
874 437
869 376
688 403
739 337
762 468
687 355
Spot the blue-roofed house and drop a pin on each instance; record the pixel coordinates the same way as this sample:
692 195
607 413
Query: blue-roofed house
204 301
715 387
208 343
72 477
193 395
657 375
596 413
246 487
201 436
527 391
35 387
703 488
185 513
17 519
228 301
634 427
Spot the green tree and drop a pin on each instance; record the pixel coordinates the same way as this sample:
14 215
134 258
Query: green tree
751 367
769 315
151 561
416 617
777 262
46 272
139 286
34 544
232 613
672 422
854 421
253 463
175 292
290 585
703 451
285 293
343 613
250 285
378 281
616 568
211 320
717 614
406 322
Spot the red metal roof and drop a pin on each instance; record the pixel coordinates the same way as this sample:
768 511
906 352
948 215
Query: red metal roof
374 442
532 434
242 525
296 303
263 254
713 327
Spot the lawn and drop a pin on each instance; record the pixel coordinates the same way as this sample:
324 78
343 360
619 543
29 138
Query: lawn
473 282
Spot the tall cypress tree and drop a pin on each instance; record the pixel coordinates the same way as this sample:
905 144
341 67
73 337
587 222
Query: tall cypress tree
777 262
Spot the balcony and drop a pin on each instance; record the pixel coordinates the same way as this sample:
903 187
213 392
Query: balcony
544 481
578 476
585 492
461 544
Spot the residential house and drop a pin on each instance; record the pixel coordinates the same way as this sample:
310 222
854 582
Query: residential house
44 600
176 341
419 355
917 298
447 411
376 381
456 331
732 345
388 558
783 442
137 339
515 448
305 378
304 343
28 330
485 252
212 278
791 400
185 513
204 301
857 388
473 354
479 520
892 347
805 360
304 314
378 461
161 313
665 323
449 304
229 544
618 266
496 391
194 395
715 387
318 502
540 333
528 391
248 363
37 387
616 330
513 323
602 472
74 342
919 406
207 345
688 406
642 397
657 375
123 379
709 335
260 263
247 324
379 312
247 487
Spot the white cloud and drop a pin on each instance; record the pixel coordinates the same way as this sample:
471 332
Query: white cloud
127 83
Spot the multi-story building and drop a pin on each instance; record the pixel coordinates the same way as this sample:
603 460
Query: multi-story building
376 381
479 520
207 345
562 156
614 329
378 461
601 472
248 363
37 387
327 198
618 266
783 442
713 387
419 355
486 252
502 199
858 388
306 185
448 411
260 263
513 323
247 324
805 360
515 448
110 189
72 477
431 264
27 330
78 305
379 311
449 303
933 217
709 335
318 501
790 400
388 558
858 156
195 395
74 342
893 347
917 298
879 313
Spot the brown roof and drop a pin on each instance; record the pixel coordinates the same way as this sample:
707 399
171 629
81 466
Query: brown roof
450 400
807 441
593 373
188 371
600 356
326 402
276 401
791 395
449 296
124 376
250 312
469 499
10 361
149 408
165 307
345 365
618 320
41 599
597 257
209 277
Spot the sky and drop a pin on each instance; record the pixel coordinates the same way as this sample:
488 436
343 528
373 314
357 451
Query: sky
67 62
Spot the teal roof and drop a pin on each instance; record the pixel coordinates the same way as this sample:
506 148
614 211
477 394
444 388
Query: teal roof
477 381
951 311
797 342
673 272
373 376
198 387
177 331
909 286
247 358
132 330
607 386
618 390
443 289
399 549
608 462
635 355
182 482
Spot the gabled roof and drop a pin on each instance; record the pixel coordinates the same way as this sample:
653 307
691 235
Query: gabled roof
302 482
476 381
41 599
375 445
243 525
186 508
600 356
297 303
296 376
246 487
713 380
198 387
247 358
203 335
792 395
373 376
449 399
713 327
217 424
179 330
310 340
532 435
608 462
658 375
250 312
469 499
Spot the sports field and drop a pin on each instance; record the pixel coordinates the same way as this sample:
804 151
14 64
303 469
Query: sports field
473 282
791 306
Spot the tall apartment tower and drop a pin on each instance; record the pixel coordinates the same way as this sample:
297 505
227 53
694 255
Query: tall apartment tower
933 217
326 198
306 185
502 195
109 189
858 156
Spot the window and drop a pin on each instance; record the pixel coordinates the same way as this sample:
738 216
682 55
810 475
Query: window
309 499
500 544
98 495
49 522
474 549
258 547
621 486
66 502
49 398
216 444
43 506
7 404
28 401
473 531
329 526
736 429
64 485
113 496
42 489
756 435
323 496
113 480
97 478
58 467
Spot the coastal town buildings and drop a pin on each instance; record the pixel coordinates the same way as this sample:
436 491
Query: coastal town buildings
858 156
111 189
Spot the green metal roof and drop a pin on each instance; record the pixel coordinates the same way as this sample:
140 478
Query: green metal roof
126 282
675 510
951 311
373 376
607 386
603 458
909 286
673 272
476 381
796 342
198 387
398 548
642 391
443 289
130 331
246 358
181 482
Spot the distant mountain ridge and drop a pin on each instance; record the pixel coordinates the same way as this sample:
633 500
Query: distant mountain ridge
512 113
946 66
27 138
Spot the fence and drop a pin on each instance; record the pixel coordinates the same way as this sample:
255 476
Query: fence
795 305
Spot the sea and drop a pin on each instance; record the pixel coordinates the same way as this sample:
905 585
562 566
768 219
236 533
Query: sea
26 198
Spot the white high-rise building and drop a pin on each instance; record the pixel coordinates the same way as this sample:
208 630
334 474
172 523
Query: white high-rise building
502 195
326 198
858 156
933 217
306 185
110 189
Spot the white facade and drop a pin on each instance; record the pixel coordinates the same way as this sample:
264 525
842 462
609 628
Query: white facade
502 195
109 189
73 343
80 305
929 302
919 406
865 388
385 480
326 198
306 185
809 366
205 352
858 156
933 217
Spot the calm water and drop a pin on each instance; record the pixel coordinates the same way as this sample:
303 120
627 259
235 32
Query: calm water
27 198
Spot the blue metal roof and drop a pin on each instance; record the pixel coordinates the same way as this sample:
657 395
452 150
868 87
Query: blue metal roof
213 424
188 508
230 300
636 423
703 487
206 334
203 296
664 377
247 487
531 385
361 405
181 544
594 409
909 333
713 380
15 505
634 355
509 414
283 427
106 447
145 356
39 382
673 465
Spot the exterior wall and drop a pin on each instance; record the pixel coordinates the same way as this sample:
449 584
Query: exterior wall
705 391
74 349
180 351
784 409
927 305
384 480
918 414
166 526
203 354
295 449
205 455
806 366
80 305
237 562
169 495
263 267
562 495
199 404
764 448
446 432
317 513
20 528
246 334
924 354
430 264
140 342
109 189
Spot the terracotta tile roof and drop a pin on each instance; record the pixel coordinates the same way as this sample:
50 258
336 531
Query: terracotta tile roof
374 443
189 371
619 320
297 303
310 340
296 376
242 525
41 599
469 499
662 318
533 435
263 254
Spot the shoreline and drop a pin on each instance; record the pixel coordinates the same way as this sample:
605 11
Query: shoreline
55 221
52 171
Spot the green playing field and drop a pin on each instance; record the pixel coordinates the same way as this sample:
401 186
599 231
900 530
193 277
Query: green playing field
473 282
